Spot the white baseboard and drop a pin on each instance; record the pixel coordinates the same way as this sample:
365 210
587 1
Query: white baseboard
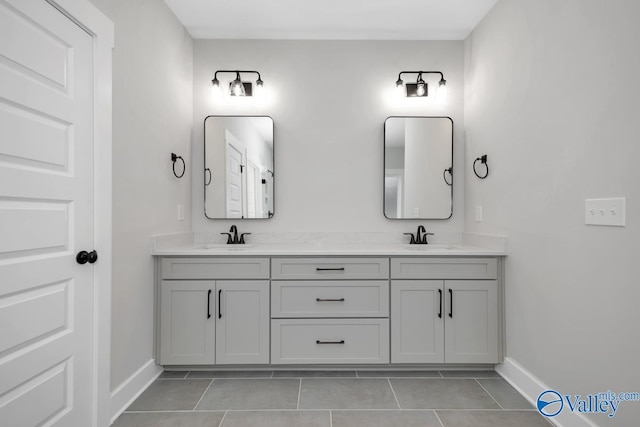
133 387
530 387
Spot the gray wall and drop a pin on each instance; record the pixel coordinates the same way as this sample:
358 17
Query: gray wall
152 116
329 100
552 98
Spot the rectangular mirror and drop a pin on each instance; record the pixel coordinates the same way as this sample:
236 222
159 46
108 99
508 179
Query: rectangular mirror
418 166
238 167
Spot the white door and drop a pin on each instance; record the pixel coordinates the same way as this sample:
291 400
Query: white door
254 190
234 172
187 322
471 325
417 321
242 325
46 217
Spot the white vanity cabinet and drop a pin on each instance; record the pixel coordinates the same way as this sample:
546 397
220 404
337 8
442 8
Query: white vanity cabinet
213 311
445 310
289 310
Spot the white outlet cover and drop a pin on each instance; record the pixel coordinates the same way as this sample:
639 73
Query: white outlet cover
608 212
478 213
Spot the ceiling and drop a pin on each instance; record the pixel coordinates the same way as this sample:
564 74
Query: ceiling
331 19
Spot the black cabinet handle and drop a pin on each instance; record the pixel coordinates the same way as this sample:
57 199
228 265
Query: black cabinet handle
220 304
330 299
329 269
209 304
329 342
450 303
440 313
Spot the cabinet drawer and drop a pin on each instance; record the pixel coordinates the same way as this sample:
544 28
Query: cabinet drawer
329 341
444 268
358 298
215 268
330 268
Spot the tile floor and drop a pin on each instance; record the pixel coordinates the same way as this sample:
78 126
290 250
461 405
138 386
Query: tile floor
330 399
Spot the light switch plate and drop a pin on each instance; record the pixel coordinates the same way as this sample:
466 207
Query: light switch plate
605 211
478 213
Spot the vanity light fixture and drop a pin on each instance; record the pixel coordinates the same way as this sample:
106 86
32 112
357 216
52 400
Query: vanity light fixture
420 88
238 87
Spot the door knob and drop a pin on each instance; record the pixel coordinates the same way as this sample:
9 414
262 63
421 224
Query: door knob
84 257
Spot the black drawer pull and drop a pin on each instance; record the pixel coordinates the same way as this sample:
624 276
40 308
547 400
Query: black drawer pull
330 299
219 303
440 313
329 342
329 269
209 304
450 303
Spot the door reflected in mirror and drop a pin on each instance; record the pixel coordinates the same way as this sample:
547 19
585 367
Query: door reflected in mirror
418 159
238 167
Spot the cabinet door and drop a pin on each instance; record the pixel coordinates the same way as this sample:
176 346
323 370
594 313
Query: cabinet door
417 321
242 322
471 325
187 323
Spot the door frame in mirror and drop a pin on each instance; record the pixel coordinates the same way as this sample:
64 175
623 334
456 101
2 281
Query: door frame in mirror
384 167
205 173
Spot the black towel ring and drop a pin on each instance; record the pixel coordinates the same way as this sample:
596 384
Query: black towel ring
483 160
207 181
444 176
174 158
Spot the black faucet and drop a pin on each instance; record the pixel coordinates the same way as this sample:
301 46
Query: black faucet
232 236
421 236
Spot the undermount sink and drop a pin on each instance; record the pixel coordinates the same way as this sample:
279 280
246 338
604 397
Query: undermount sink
226 246
430 247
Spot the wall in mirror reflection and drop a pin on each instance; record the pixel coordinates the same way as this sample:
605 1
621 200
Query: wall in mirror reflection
417 151
239 172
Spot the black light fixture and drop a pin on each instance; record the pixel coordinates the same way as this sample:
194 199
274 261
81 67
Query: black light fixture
420 88
238 87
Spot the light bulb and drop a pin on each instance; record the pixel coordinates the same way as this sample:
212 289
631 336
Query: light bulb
236 88
215 88
400 87
421 86
259 89
442 89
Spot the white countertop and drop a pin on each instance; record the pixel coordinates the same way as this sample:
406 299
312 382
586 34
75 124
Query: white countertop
326 249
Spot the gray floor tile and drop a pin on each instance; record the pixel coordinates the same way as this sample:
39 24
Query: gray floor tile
173 374
507 396
441 394
384 419
470 374
251 394
492 419
346 393
170 419
170 395
277 419
314 374
229 374
398 374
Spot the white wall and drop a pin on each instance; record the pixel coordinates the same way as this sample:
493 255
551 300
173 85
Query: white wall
552 96
152 117
329 100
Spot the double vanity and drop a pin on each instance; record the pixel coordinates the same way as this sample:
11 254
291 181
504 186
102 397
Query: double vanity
331 305
309 304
